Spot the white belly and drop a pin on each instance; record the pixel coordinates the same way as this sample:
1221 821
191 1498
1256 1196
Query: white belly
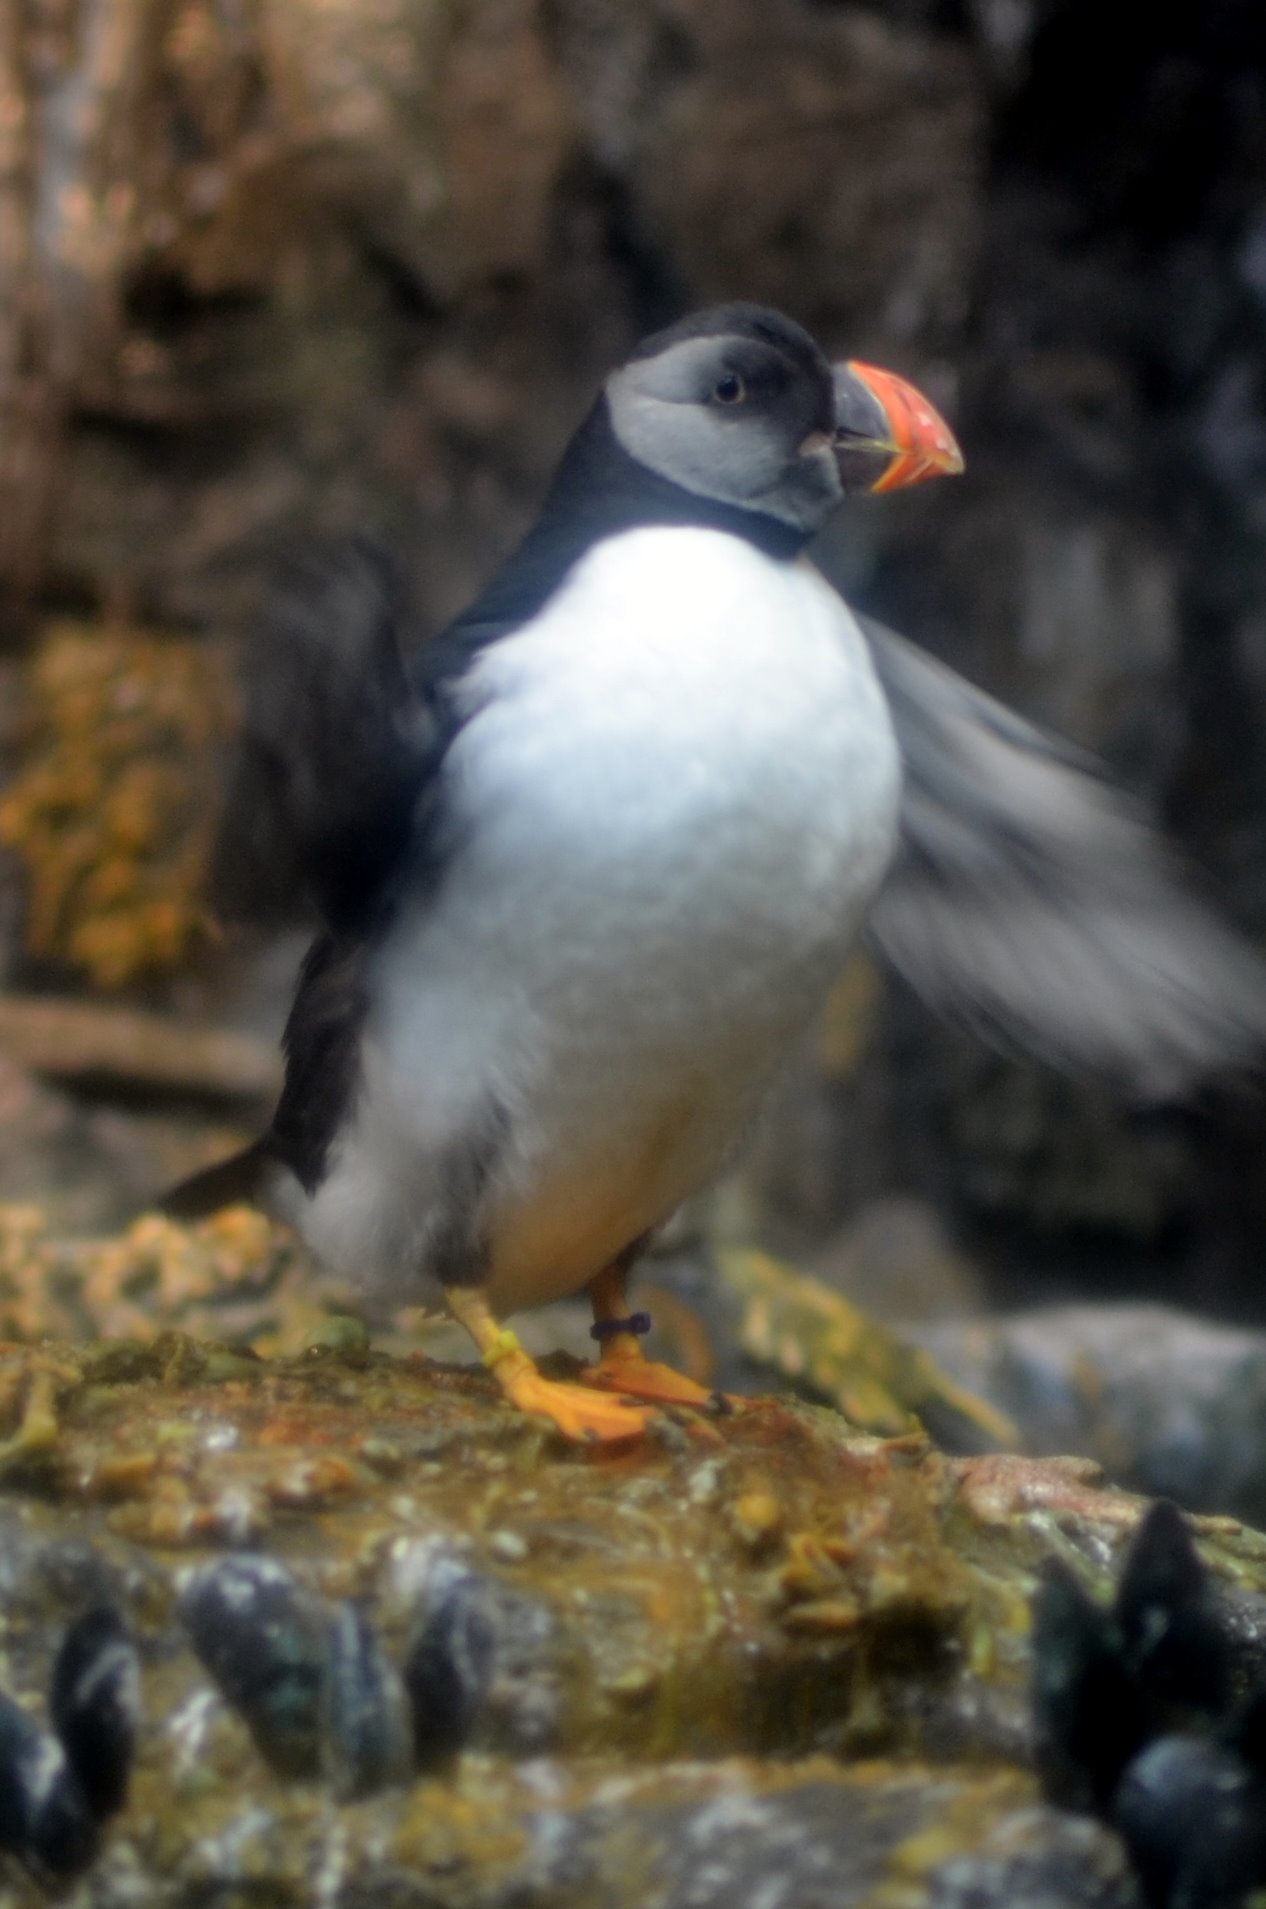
669 823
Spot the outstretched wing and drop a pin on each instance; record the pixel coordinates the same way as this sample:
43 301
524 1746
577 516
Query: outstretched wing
1031 900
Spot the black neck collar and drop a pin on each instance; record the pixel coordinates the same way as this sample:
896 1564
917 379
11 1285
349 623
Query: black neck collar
599 491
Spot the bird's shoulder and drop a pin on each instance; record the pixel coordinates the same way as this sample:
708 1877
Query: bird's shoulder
349 725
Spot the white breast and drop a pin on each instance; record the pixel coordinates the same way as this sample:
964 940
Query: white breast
672 802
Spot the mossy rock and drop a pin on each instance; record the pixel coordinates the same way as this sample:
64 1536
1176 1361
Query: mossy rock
760 1647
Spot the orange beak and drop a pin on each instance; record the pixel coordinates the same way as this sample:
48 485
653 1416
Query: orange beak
880 416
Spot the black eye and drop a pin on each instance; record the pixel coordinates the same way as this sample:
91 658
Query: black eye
730 389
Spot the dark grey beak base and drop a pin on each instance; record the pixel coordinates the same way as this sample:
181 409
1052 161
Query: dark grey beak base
862 441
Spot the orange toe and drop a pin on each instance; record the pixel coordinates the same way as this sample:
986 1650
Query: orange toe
640 1378
576 1410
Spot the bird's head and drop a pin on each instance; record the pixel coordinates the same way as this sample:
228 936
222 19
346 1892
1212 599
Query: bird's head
738 405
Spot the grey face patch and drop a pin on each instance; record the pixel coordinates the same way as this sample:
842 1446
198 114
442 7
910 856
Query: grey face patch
765 451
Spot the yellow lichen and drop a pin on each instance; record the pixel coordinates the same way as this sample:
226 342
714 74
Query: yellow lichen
114 813
235 1278
812 1334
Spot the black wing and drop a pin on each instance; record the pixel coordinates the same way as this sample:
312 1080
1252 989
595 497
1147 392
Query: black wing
337 745
338 776
1030 899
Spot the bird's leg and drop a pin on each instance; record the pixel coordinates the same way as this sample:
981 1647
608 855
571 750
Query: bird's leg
573 1409
622 1365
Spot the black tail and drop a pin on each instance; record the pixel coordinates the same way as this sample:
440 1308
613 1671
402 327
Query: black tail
239 1180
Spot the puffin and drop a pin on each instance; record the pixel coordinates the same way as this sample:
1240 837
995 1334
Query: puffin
589 862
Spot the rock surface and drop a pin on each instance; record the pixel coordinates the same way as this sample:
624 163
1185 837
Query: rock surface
301 267
695 1631
1171 1405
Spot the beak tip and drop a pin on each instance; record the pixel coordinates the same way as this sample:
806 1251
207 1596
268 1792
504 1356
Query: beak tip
921 443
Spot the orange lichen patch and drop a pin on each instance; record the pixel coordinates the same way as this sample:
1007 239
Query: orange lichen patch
1001 1487
30 1296
223 1276
813 1335
114 814
756 1518
236 1278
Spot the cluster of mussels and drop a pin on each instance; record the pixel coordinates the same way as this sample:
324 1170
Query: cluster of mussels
312 1681
1150 1716
317 1690
59 1785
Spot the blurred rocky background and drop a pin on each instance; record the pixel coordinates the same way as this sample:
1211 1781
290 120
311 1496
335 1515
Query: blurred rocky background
275 268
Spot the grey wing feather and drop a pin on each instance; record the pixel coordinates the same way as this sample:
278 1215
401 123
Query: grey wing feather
1030 899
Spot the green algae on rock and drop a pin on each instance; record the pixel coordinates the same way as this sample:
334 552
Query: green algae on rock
530 1673
752 1591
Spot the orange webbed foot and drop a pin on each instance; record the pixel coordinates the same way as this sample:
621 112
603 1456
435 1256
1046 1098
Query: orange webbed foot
577 1411
572 1409
638 1377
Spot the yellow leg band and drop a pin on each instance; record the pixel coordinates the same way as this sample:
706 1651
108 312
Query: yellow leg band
502 1346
